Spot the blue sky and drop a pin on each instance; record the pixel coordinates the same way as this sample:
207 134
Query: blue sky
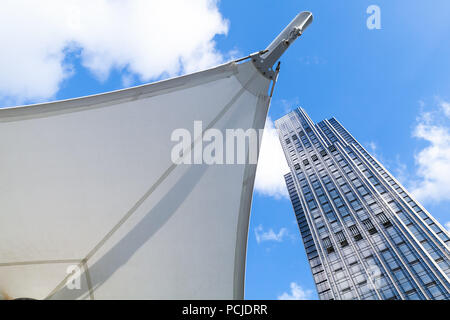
375 82
390 87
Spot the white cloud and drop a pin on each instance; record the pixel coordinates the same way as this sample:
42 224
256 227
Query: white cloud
147 38
400 170
312 60
372 146
396 166
272 165
445 108
269 235
433 161
287 105
297 293
447 226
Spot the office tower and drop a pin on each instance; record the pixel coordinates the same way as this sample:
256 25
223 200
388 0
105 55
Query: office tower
364 234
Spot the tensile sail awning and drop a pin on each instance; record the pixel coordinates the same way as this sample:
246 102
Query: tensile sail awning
93 205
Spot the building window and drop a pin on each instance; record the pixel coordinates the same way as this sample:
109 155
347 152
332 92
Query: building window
331 216
357 183
343 211
312 204
323 200
305 162
297 166
435 291
355 232
350 196
338 202
288 141
369 226
327 245
384 220
333 193
340 181
412 295
394 205
356 205
341 238
362 191
345 188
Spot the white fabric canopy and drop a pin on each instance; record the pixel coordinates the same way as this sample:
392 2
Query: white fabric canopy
89 182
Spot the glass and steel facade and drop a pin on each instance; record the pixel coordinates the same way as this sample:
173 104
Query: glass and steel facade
365 236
